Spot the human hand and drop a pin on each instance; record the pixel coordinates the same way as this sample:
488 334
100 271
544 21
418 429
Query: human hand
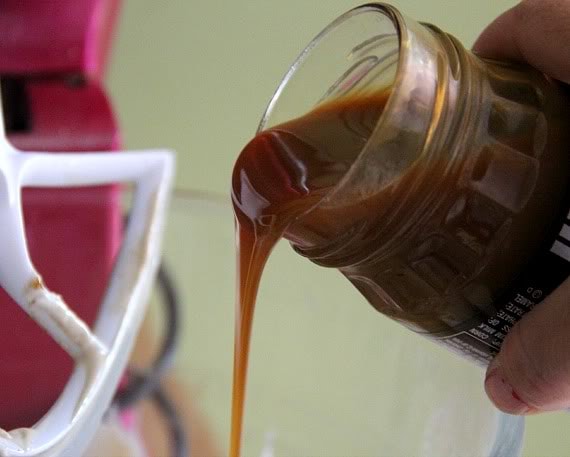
531 374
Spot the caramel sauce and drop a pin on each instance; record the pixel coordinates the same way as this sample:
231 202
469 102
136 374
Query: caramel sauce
279 177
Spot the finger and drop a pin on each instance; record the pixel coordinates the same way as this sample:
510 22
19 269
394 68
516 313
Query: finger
534 31
532 372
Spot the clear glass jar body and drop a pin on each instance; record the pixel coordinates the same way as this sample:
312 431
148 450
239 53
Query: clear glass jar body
462 184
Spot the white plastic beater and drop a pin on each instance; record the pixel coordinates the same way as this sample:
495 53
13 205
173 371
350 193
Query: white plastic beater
100 354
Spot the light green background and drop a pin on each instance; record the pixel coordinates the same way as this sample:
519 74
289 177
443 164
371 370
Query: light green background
195 76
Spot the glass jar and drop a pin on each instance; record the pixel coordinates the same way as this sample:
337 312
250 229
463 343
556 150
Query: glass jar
451 219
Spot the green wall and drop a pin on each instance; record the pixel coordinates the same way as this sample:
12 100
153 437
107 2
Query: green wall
195 77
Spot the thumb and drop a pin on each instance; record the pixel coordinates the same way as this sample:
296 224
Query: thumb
532 372
534 31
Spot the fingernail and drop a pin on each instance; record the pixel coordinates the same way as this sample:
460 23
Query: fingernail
502 393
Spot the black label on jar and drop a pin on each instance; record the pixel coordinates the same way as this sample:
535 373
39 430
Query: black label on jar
546 272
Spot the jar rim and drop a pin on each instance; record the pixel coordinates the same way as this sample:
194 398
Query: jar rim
389 11
408 64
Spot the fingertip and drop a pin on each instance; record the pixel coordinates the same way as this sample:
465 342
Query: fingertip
533 31
501 392
497 41
531 374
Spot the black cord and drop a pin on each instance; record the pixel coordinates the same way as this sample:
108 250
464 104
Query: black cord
179 444
179 441
147 384
142 385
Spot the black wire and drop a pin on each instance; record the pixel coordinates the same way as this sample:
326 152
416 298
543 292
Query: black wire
179 444
147 384
142 385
